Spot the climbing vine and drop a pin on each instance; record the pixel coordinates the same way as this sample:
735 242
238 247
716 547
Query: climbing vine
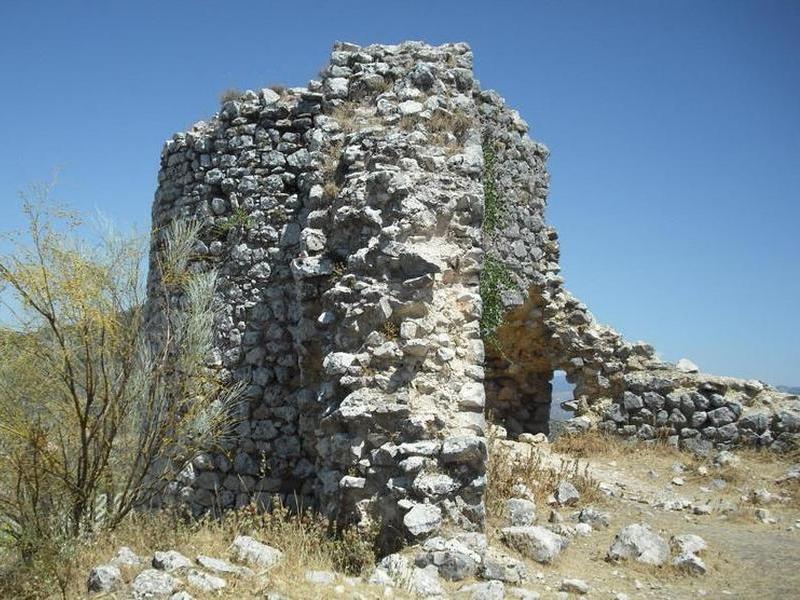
493 203
495 278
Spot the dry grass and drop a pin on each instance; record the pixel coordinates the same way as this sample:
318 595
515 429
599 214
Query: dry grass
382 87
755 467
792 489
457 123
230 95
408 122
339 269
331 172
591 443
448 129
307 543
508 467
345 115
374 88
595 443
389 330
330 190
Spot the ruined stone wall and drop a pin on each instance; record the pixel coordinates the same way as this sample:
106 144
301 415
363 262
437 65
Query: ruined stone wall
388 279
622 385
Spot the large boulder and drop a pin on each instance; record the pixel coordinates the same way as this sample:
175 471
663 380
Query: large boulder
502 567
423 519
521 511
640 543
104 578
534 542
153 583
252 552
170 561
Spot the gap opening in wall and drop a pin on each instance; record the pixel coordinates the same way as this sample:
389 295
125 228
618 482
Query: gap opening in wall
561 407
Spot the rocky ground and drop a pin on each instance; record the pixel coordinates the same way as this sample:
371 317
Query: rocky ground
588 515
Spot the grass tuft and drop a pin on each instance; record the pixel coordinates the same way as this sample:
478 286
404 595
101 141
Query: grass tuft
508 467
230 95
307 541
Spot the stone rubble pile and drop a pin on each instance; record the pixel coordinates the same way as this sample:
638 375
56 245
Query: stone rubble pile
172 575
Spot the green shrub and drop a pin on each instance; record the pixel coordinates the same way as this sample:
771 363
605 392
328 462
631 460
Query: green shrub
93 415
239 219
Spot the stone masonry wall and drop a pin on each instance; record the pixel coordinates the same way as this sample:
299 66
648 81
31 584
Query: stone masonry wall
345 221
622 386
388 279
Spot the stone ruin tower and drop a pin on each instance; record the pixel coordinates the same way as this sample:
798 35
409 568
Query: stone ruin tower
389 284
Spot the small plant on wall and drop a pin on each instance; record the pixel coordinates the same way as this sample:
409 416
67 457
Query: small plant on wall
495 278
493 202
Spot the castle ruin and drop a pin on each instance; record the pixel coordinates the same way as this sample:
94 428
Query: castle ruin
390 285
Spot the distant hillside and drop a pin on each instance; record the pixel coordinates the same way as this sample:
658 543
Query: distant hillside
789 389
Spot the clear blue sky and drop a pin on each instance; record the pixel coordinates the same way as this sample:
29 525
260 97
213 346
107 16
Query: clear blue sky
674 129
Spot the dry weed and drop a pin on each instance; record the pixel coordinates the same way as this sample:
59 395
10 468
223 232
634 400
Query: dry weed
330 190
306 539
345 115
507 468
231 94
457 123
408 123
389 330
596 443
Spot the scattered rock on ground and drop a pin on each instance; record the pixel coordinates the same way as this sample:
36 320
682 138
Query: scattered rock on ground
688 543
218 565
453 558
502 567
126 557
104 578
534 542
521 511
204 582
320 577
691 563
252 552
153 583
593 517
425 582
566 493
574 586
640 543
490 590
523 594
169 561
